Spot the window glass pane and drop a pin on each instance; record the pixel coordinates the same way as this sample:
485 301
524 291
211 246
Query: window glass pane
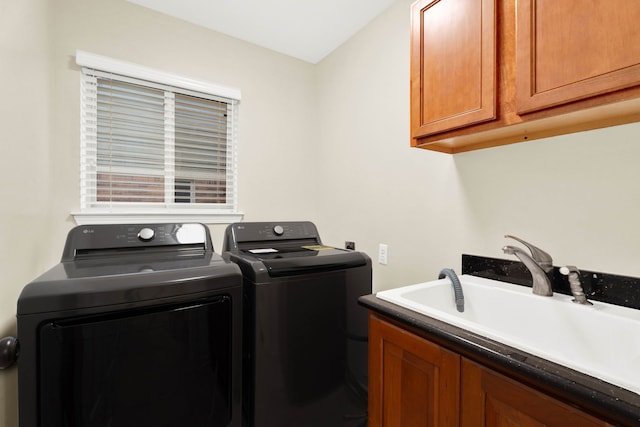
130 131
210 191
183 191
129 188
201 148
130 143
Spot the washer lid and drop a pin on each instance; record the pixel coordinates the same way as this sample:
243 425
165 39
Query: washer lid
306 259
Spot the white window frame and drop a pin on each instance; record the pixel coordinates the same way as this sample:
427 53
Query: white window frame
121 215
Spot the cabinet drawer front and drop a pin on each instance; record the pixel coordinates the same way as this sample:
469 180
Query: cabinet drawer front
453 65
574 49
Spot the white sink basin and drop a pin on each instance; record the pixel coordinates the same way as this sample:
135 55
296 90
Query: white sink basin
602 340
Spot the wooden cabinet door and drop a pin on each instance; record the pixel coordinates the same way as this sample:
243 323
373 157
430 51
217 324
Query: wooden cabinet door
412 382
453 64
573 49
492 400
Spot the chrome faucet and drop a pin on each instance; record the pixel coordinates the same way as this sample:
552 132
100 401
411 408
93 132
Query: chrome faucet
539 264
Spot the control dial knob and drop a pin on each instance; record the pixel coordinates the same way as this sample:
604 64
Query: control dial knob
146 234
278 230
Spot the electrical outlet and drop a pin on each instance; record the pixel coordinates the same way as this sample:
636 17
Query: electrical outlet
383 253
350 245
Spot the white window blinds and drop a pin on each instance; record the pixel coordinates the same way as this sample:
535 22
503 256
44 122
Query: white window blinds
150 146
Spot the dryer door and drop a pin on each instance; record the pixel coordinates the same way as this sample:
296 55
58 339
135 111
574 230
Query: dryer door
164 366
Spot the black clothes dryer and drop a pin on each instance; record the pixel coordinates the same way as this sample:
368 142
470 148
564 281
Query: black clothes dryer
138 325
305 336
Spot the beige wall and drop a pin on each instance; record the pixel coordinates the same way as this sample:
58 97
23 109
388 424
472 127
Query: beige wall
329 143
25 194
576 196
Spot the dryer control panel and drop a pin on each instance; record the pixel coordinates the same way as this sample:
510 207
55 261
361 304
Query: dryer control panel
85 240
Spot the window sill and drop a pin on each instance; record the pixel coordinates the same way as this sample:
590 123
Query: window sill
139 217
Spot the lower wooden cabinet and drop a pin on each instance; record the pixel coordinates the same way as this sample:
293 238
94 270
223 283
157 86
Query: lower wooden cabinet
414 382
493 400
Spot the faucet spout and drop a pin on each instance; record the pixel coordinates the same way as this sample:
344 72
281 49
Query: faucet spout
541 282
542 258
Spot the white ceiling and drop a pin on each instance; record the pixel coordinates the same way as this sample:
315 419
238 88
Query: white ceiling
305 29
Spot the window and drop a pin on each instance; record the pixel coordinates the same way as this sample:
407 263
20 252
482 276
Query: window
155 146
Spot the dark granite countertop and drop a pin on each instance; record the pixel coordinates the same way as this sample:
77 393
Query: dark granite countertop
612 403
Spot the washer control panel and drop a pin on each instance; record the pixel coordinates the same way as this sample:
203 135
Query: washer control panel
252 232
